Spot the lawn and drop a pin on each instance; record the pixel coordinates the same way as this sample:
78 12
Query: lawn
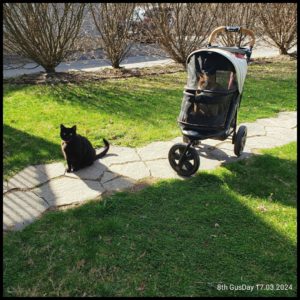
234 225
129 112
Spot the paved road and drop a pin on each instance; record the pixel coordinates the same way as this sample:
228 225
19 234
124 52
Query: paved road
130 62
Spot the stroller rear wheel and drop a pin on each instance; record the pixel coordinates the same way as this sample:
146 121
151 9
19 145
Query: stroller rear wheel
184 159
240 140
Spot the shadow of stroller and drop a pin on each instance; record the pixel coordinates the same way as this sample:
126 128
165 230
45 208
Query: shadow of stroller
214 153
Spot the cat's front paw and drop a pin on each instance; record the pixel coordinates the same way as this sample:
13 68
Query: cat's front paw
68 170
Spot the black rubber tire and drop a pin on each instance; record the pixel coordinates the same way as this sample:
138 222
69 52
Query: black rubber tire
191 161
240 140
233 137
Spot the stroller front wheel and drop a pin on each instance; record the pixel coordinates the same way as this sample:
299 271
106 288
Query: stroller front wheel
240 140
183 159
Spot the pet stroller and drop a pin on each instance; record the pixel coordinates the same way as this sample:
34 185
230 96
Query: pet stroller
211 100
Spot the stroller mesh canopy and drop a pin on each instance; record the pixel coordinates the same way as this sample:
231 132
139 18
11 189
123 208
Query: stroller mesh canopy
226 80
210 61
212 90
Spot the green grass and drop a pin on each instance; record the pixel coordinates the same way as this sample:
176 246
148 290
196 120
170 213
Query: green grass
129 112
234 225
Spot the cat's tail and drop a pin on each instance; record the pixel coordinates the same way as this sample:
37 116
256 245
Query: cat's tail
100 155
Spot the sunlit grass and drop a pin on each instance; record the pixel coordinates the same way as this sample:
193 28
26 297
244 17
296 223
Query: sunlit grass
129 112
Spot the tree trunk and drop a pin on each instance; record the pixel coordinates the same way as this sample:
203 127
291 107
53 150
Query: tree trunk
283 50
116 64
49 69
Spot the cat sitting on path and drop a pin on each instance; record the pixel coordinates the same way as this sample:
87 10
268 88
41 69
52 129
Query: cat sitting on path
77 150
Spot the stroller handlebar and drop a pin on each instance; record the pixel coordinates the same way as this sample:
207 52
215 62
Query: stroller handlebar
242 30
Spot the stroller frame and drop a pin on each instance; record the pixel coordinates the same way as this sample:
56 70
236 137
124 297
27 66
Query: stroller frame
183 158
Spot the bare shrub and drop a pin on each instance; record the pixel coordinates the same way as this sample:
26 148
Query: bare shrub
88 40
42 32
279 24
113 21
180 28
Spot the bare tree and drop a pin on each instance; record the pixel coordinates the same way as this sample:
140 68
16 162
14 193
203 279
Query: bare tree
236 14
181 28
43 32
113 21
88 40
279 24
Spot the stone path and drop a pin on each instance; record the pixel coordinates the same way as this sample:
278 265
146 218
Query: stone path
37 188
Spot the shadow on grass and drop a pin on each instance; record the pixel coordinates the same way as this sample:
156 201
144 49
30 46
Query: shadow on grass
138 101
263 177
175 238
21 149
126 99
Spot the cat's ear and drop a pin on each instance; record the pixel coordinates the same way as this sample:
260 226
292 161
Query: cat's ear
62 126
74 128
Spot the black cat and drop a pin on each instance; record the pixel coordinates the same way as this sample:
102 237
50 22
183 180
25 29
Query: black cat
77 150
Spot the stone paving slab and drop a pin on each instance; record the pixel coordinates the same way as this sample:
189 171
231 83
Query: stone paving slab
221 154
155 150
283 134
287 115
210 143
5 186
283 139
226 145
278 122
119 155
254 129
28 178
21 209
135 170
226 154
177 140
52 170
209 159
63 191
94 172
118 184
107 176
161 169
262 142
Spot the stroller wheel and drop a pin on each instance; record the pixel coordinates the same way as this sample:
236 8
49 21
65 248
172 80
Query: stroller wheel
184 164
240 140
